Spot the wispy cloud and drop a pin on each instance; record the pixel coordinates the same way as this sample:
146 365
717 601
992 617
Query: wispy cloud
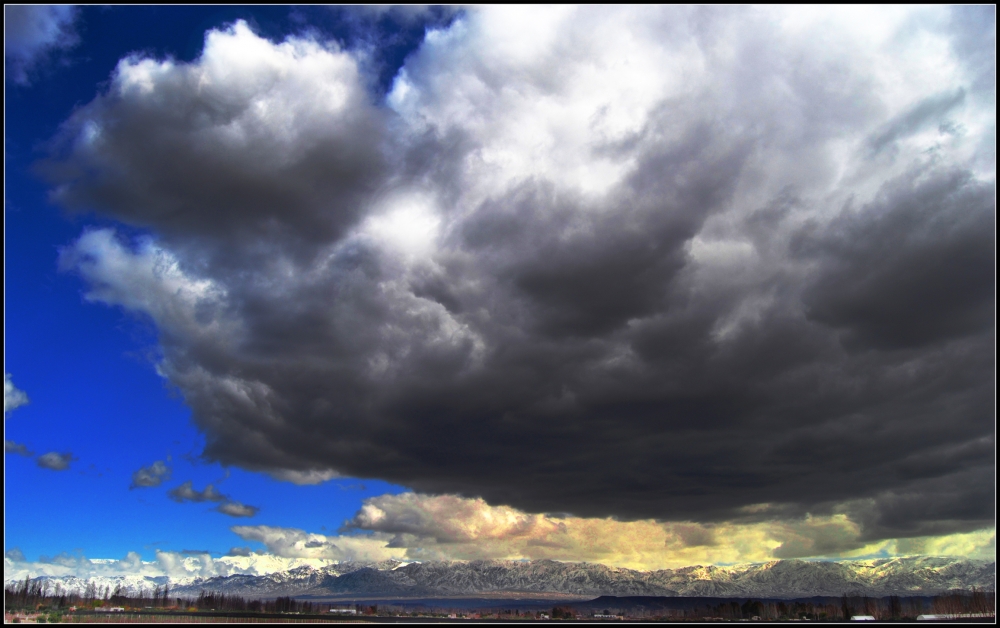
31 32
236 509
10 447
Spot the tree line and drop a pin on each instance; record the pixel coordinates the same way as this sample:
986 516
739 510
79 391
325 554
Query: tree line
892 607
42 594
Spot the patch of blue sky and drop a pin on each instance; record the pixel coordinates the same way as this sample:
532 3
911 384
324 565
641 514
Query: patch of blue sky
87 368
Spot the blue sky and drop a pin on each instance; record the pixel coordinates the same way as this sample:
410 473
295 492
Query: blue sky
88 369
643 286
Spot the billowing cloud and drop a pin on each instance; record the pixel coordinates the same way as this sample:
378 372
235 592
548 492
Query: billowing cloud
31 31
55 461
153 475
186 493
236 509
422 527
13 397
410 527
651 263
10 447
447 528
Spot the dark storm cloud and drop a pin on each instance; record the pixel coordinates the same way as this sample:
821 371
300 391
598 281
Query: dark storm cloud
205 144
659 277
912 268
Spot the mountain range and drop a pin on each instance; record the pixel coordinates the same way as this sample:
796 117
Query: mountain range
498 578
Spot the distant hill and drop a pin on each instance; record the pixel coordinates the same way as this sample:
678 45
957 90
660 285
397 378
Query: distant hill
782 579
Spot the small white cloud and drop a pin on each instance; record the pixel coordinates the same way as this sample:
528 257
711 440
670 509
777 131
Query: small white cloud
10 447
55 461
185 493
236 509
13 397
150 476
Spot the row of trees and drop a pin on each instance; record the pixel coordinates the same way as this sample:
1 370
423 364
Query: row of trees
42 594
236 603
884 608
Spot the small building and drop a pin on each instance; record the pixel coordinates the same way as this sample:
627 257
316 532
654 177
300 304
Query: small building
344 610
862 618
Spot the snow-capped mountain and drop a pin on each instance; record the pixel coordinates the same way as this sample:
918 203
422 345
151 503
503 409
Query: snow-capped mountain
392 579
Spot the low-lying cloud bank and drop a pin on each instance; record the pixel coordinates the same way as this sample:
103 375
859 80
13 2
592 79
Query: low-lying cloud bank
649 263
421 527
413 527
178 566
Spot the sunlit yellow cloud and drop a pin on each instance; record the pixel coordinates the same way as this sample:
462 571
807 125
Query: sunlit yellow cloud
411 526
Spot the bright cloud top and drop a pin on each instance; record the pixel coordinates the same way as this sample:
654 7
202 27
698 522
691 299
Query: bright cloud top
448 528
649 263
